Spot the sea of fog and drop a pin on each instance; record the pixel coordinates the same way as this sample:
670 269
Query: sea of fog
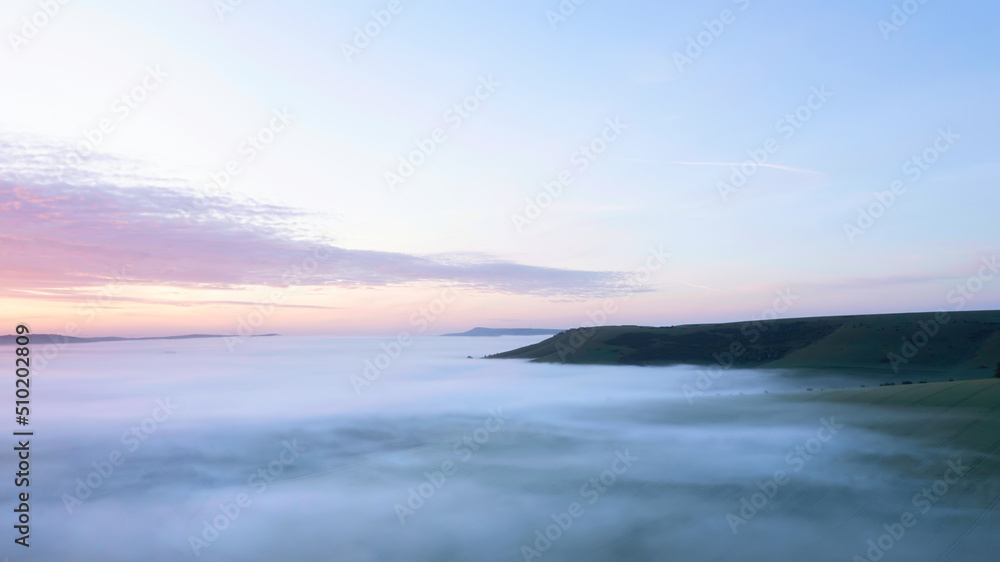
282 449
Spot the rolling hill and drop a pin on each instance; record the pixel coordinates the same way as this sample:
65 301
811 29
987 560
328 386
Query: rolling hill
964 342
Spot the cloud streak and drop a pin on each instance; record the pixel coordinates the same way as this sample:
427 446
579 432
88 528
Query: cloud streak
724 164
57 236
731 164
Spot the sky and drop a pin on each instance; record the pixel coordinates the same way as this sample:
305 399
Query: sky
306 167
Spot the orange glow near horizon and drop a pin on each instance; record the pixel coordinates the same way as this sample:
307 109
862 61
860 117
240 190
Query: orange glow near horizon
144 311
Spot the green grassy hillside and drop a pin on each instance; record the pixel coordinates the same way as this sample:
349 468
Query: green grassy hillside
965 342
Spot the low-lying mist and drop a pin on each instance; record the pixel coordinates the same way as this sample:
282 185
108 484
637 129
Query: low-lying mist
287 449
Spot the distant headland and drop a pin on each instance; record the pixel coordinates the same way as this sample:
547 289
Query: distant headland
58 339
493 332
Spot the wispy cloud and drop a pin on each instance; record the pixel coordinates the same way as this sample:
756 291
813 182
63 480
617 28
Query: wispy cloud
731 164
56 235
722 164
697 286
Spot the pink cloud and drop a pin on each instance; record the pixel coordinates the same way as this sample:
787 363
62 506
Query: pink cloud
61 236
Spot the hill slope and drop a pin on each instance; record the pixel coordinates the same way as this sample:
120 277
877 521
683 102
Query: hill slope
959 341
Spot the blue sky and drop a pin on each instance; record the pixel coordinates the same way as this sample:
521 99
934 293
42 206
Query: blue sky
656 185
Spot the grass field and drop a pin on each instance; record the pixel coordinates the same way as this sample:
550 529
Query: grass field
963 345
